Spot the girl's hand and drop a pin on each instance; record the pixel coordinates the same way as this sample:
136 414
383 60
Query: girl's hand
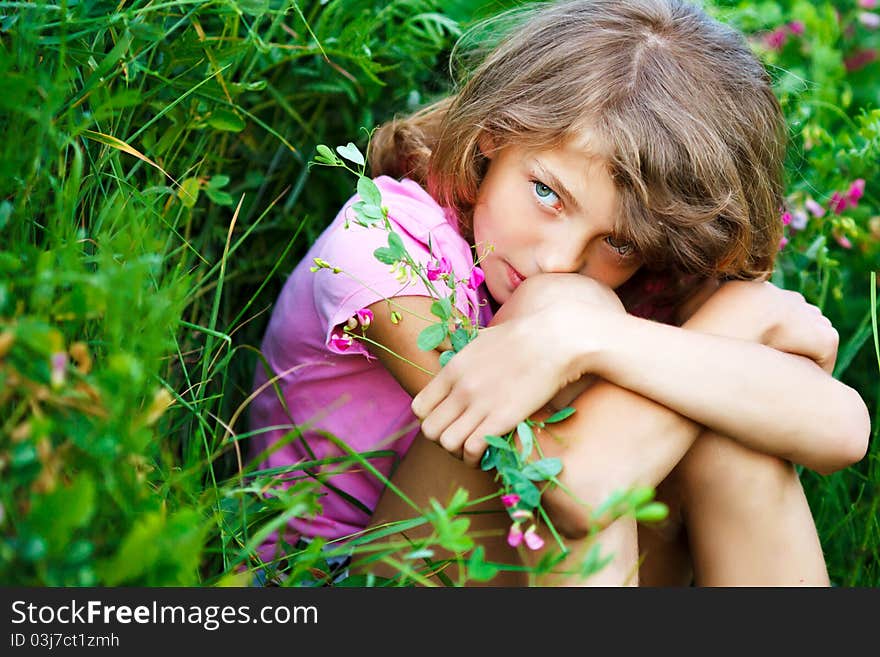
536 347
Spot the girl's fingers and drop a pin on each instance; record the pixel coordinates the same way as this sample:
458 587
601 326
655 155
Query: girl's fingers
474 446
437 421
453 438
424 403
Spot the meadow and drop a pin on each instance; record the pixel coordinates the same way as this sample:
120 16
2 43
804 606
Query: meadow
155 190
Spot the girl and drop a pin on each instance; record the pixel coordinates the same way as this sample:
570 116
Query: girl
617 168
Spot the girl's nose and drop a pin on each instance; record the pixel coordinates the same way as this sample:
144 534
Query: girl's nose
565 255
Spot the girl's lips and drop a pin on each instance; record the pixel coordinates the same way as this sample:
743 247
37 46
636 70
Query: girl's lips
514 277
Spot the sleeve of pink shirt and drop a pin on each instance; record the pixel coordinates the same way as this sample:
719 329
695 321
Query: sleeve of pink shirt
427 236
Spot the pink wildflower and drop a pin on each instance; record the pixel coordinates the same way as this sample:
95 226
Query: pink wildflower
364 317
869 19
776 39
786 218
796 27
533 541
868 4
838 203
814 208
509 500
340 341
783 242
476 279
799 220
859 59
515 535
521 514
437 268
59 368
856 191
843 241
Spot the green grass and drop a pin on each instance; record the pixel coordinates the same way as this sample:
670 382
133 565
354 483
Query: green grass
154 193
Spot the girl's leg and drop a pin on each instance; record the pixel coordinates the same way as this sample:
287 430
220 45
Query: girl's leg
428 471
748 521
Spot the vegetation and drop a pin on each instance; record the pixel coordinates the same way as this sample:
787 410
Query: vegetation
155 191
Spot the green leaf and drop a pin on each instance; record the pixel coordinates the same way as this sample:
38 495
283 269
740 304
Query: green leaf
478 569
54 516
385 255
543 469
528 493
219 197
490 459
396 243
368 191
460 339
188 193
498 442
432 336
218 181
446 356
351 153
442 308
560 415
226 120
527 438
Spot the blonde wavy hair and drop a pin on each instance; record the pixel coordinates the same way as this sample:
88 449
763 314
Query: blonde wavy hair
693 134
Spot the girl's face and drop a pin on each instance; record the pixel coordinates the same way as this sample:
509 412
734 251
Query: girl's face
550 211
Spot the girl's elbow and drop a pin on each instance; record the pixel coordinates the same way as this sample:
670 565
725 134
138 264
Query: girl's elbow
851 437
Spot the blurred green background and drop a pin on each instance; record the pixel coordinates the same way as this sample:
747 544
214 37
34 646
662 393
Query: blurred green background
155 192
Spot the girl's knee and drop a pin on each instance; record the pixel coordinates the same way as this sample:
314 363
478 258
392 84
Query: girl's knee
545 290
719 468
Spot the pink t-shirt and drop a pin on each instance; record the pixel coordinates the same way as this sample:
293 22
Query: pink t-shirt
348 393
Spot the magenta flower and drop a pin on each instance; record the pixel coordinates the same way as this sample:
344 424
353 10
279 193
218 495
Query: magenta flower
869 20
776 39
783 242
341 341
786 218
796 28
364 317
843 241
437 268
814 208
533 541
476 279
515 535
856 191
59 368
860 59
868 4
838 203
509 500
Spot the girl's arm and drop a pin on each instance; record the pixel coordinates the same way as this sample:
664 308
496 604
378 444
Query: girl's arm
711 371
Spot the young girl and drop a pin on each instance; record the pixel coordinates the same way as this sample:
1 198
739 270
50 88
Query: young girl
617 169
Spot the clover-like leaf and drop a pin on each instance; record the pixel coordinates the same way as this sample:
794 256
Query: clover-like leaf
442 308
478 569
543 469
368 191
351 153
526 438
432 336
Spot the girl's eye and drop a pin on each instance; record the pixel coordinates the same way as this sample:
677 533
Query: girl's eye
545 195
623 249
